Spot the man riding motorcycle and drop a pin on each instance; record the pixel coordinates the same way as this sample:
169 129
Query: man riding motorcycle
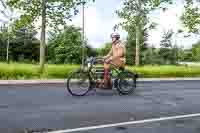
116 56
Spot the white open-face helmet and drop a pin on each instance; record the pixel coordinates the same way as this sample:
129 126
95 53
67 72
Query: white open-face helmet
115 35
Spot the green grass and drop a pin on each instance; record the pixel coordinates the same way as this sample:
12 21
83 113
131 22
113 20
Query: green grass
59 71
30 71
18 71
167 71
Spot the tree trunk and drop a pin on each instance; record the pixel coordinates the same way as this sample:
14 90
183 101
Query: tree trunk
134 55
43 38
137 48
7 49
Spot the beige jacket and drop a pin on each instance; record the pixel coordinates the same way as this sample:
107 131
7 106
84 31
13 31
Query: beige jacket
118 51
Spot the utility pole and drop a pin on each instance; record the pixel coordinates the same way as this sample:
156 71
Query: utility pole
138 34
83 33
43 37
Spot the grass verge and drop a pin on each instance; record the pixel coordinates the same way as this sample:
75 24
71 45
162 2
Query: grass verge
30 71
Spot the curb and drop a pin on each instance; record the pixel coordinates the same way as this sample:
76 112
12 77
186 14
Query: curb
62 81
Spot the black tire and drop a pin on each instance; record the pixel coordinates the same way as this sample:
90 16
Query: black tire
78 78
126 82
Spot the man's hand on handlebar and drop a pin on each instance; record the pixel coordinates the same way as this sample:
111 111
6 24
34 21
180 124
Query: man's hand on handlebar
108 60
104 59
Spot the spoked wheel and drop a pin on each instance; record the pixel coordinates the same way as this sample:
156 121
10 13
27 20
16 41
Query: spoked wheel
78 83
126 82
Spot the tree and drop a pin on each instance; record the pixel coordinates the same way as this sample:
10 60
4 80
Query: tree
91 52
168 52
107 47
23 45
135 17
53 13
151 56
6 36
191 16
196 51
175 54
3 39
9 15
187 55
191 20
131 46
65 47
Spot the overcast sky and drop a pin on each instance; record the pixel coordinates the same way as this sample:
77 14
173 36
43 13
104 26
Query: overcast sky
100 18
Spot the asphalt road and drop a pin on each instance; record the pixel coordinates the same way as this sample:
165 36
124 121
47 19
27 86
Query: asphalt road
50 107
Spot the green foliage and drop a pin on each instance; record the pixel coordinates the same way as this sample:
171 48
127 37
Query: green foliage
91 52
167 39
186 55
151 56
131 44
53 13
66 46
104 51
191 17
167 52
196 52
134 15
24 47
57 11
134 12
3 39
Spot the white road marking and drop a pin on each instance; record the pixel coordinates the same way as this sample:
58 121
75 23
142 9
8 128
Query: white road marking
127 123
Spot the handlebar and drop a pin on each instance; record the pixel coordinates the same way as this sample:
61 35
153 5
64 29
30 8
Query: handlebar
94 60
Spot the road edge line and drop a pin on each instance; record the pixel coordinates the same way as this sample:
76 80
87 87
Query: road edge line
126 123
